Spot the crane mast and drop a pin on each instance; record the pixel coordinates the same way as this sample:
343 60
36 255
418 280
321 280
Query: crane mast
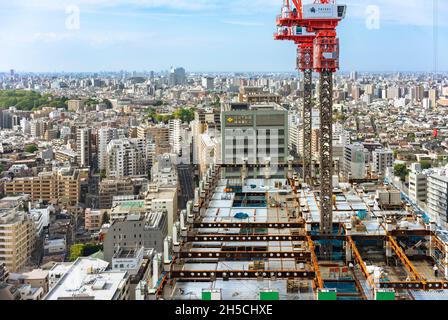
322 56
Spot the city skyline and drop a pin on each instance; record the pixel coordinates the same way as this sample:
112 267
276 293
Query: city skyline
216 36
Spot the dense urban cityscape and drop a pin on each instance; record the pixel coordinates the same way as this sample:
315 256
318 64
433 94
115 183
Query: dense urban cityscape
183 185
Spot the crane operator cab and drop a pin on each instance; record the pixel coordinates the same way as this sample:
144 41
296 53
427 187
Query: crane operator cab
324 11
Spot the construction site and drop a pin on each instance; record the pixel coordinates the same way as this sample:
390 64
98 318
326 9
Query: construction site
305 236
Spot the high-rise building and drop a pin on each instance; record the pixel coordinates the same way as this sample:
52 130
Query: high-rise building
177 77
175 135
83 147
208 83
433 97
105 135
126 158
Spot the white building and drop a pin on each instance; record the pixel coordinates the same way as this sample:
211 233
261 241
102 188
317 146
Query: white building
417 183
105 135
87 279
175 135
382 159
437 199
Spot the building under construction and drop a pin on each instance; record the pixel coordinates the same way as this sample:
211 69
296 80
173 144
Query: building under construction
260 239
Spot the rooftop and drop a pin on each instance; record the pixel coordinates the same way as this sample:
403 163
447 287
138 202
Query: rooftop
87 279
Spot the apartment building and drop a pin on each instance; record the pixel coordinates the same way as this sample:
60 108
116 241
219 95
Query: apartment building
437 199
62 185
93 219
83 147
105 136
17 239
126 158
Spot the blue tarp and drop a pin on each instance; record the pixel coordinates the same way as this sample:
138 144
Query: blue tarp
241 215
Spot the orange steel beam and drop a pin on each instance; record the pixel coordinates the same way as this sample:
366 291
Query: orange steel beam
320 282
404 259
437 243
359 260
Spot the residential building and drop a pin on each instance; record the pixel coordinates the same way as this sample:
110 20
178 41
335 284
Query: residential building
17 239
437 199
126 158
93 219
62 185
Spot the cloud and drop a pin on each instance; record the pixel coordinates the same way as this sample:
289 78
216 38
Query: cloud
243 23
411 12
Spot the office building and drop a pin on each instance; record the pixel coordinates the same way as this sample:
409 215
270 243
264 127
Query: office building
136 230
255 134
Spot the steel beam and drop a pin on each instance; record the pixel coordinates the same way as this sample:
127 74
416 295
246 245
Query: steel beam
415 285
242 274
258 225
303 256
242 238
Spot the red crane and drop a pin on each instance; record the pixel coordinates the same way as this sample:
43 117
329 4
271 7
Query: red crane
321 18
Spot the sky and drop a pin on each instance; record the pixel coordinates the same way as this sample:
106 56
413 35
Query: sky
209 35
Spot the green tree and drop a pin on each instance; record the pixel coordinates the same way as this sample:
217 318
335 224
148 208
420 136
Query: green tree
184 114
425 164
31 148
76 251
401 171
